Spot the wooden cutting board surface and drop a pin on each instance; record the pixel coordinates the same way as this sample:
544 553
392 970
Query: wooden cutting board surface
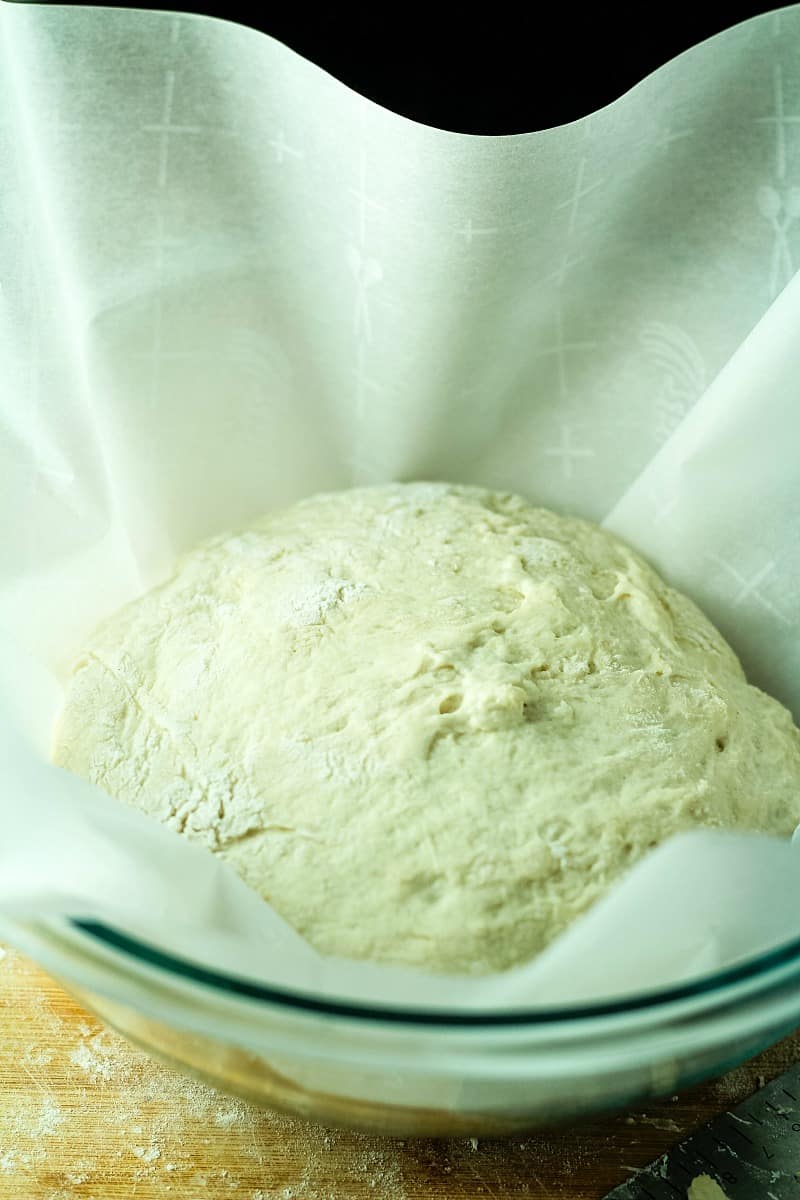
85 1116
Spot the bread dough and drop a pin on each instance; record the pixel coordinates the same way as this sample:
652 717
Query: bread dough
430 724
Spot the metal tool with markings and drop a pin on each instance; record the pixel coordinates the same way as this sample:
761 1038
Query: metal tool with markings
752 1152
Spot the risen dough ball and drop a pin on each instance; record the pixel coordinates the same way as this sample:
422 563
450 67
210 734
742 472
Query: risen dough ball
430 724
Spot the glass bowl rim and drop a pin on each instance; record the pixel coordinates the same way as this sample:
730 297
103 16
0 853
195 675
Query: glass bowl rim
308 1004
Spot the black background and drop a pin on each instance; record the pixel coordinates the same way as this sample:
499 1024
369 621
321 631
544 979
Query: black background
488 72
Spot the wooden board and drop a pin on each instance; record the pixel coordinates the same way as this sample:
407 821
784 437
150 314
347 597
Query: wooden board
84 1116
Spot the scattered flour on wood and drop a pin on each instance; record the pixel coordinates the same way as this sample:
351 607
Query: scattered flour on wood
94 1057
147 1154
664 1123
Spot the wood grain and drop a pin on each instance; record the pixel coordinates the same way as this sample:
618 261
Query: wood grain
84 1116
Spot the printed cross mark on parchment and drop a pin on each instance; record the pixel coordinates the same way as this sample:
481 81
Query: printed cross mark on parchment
669 136
749 589
282 148
469 231
167 128
160 242
568 451
579 191
561 349
664 504
781 120
365 201
567 263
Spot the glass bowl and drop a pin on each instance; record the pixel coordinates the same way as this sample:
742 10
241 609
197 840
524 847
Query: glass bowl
414 1073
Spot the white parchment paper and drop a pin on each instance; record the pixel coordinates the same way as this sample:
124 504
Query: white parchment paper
227 281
